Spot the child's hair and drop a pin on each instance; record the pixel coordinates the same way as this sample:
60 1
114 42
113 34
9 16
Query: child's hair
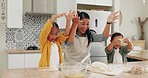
84 15
55 25
115 35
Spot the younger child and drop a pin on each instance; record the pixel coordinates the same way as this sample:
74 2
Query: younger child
116 51
50 42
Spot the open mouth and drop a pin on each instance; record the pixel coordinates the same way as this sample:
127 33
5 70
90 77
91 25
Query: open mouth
52 40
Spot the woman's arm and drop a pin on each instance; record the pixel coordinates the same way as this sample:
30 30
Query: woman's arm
68 17
73 30
111 18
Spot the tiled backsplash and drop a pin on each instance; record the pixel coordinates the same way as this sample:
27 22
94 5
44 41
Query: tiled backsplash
21 38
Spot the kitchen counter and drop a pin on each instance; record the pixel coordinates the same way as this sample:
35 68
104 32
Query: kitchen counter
23 58
139 55
22 51
42 73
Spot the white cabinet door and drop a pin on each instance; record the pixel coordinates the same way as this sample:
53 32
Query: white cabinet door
95 2
50 6
104 2
90 2
27 6
60 8
15 61
32 60
14 13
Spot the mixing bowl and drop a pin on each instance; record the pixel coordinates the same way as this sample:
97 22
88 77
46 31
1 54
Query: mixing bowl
74 70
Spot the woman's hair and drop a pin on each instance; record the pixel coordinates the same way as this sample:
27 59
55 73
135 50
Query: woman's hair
84 15
115 35
55 25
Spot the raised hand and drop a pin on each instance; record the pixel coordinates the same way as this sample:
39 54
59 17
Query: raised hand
112 17
126 40
53 17
70 15
117 41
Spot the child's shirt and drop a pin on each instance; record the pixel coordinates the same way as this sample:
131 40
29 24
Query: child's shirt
54 56
45 45
123 51
117 57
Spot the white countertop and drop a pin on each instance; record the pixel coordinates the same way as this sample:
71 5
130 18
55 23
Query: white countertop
22 51
39 73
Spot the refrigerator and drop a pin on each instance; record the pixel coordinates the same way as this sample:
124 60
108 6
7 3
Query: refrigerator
98 21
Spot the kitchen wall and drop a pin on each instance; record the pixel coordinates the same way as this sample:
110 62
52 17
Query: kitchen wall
21 38
3 55
131 10
146 25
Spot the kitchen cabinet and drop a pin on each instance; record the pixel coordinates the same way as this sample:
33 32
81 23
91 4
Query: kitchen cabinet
104 2
27 4
32 60
96 2
89 2
60 8
23 60
39 7
14 13
51 7
15 61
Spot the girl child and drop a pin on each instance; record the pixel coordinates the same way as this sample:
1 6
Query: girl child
50 41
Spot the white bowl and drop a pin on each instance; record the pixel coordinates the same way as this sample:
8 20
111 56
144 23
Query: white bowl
74 70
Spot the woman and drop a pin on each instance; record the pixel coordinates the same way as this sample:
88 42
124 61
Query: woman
79 42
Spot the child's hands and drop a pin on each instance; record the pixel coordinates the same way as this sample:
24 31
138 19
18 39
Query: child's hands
126 40
117 42
112 17
53 17
70 15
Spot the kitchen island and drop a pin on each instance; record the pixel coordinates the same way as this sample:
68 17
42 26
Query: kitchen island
139 55
23 58
42 73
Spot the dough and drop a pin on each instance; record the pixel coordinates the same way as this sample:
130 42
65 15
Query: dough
99 66
137 70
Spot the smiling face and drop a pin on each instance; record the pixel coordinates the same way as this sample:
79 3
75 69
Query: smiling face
83 26
53 34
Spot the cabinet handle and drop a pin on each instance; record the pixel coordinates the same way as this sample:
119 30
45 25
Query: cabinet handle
96 22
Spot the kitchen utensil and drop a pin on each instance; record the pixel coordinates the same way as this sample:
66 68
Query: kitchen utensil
85 58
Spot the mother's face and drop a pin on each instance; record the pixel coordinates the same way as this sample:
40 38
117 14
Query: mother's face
83 25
